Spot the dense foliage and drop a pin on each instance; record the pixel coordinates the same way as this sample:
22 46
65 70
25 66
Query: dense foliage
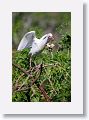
56 74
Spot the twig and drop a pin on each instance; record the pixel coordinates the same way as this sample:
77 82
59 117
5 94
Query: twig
33 90
23 83
22 69
24 74
34 81
44 93
21 76
52 85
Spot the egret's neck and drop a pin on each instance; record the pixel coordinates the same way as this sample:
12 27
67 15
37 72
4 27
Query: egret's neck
43 41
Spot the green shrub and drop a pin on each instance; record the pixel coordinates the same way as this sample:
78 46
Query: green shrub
56 74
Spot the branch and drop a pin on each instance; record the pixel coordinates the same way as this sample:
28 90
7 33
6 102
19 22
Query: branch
34 81
22 69
48 99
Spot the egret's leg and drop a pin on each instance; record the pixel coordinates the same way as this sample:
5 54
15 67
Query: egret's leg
30 61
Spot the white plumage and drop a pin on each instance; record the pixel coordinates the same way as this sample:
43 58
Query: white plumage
29 40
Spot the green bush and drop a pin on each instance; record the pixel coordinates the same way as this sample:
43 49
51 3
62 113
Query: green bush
55 74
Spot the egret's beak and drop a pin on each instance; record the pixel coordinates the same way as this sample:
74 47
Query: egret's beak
52 38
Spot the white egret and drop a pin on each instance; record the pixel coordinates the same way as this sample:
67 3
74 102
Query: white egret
29 40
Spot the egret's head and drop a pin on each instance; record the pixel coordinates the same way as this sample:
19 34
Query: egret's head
50 36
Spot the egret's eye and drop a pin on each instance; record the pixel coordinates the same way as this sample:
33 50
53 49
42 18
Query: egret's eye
49 37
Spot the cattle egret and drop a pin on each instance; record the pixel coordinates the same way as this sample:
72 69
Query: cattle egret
29 40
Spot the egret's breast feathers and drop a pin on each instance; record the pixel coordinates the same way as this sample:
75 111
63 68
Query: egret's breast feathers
37 47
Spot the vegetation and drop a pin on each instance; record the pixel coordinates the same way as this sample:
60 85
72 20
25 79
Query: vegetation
49 78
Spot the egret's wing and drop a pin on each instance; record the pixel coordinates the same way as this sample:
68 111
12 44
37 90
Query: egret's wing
27 40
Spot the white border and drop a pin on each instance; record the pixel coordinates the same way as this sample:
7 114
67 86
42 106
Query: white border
76 104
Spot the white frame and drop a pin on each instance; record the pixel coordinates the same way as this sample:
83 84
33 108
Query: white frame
76 104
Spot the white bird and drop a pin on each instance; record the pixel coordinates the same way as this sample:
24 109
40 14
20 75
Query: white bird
29 40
